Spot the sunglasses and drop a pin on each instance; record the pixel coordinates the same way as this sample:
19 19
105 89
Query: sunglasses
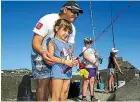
89 42
73 11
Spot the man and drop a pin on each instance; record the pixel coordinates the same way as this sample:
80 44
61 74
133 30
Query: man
41 69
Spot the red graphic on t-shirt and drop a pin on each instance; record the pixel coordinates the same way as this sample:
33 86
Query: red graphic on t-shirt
39 25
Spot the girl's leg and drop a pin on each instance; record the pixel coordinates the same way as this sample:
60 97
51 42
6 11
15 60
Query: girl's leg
110 82
56 89
65 90
91 83
42 89
85 86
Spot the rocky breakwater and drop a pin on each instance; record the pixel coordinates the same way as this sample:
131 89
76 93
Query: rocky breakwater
130 91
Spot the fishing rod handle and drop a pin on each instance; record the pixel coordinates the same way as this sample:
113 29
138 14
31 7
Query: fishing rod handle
69 67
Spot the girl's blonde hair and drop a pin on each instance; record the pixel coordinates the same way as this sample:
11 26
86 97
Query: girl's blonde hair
63 23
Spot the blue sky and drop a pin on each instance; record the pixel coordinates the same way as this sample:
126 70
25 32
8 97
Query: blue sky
19 18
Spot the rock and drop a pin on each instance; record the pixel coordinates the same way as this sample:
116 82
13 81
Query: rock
130 91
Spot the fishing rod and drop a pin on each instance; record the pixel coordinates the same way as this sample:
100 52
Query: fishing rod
122 12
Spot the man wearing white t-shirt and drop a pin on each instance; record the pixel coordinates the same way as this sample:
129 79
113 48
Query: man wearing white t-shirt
41 69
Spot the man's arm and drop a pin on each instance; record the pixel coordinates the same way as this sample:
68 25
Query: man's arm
37 46
37 43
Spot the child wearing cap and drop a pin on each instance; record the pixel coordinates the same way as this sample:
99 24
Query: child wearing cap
89 59
111 68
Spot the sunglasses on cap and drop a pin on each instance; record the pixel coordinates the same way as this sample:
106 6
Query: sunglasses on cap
73 11
89 42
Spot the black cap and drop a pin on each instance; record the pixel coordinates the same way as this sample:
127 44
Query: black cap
73 5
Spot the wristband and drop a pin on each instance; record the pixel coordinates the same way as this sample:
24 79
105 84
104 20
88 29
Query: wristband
63 61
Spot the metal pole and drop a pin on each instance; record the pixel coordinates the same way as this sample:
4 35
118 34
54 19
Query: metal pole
113 36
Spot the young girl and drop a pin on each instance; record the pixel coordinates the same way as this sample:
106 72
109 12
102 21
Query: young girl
61 53
111 68
89 59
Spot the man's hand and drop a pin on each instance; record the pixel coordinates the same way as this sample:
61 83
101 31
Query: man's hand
47 57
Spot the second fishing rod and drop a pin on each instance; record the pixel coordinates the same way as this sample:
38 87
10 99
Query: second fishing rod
117 17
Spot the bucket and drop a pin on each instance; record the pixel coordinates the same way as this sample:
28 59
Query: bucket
101 86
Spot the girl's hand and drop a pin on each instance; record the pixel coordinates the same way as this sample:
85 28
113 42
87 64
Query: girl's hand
96 55
74 61
68 63
96 64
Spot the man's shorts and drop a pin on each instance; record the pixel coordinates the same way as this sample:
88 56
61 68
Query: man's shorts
40 70
111 71
92 72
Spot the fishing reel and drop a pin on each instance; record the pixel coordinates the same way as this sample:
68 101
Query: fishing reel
100 59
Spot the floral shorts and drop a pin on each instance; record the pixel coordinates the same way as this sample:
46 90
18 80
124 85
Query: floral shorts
40 70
